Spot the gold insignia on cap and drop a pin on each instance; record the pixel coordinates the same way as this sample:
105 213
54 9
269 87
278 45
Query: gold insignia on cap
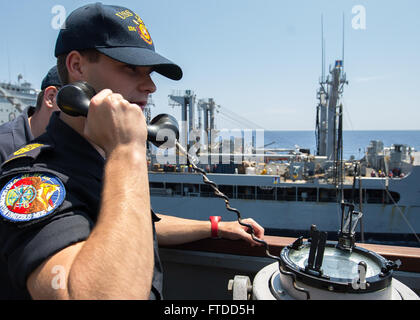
124 14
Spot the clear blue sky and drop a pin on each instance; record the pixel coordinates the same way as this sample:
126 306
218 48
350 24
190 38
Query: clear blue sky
260 59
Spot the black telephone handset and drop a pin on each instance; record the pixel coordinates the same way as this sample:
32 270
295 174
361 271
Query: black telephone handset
74 99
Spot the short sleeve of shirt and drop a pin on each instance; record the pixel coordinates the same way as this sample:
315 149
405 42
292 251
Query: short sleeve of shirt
6 145
24 249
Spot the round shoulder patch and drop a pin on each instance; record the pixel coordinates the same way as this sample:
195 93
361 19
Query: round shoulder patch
31 196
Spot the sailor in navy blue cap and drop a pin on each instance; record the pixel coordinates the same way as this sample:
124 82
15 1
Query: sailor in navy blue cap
32 121
75 203
116 32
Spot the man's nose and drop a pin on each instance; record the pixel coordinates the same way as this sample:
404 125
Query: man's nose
147 85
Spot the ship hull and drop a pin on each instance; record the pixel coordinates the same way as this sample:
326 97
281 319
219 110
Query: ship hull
381 223
388 222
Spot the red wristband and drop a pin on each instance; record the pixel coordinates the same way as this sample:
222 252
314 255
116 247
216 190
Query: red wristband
215 226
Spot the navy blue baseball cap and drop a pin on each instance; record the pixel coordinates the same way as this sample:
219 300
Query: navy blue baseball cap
51 79
116 32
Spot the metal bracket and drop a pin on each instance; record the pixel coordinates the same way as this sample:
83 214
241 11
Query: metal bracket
241 287
316 252
346 236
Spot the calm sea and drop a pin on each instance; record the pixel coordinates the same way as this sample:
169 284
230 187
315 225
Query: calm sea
355 142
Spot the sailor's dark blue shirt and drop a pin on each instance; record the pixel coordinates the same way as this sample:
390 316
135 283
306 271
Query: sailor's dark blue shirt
15 133
62 152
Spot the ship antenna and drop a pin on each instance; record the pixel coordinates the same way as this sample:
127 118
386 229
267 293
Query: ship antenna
343 44
323 49
8 62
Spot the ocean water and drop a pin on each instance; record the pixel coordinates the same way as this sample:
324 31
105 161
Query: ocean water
354 142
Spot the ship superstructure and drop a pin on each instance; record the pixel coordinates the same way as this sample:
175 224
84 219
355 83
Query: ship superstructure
14 98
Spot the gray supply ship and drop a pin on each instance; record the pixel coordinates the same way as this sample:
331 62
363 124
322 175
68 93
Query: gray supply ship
285 190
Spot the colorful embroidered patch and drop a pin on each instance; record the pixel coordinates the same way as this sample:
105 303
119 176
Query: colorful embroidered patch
144 33
31 196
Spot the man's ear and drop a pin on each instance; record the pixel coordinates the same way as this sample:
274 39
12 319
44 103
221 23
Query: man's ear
49 96
74 64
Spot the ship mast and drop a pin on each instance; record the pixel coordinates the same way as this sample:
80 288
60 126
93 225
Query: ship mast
187 102
321 116
329 108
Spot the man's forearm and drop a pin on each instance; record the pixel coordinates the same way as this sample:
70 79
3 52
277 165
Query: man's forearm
173 230
117 259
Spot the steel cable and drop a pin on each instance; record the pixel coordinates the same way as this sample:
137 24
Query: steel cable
193 160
